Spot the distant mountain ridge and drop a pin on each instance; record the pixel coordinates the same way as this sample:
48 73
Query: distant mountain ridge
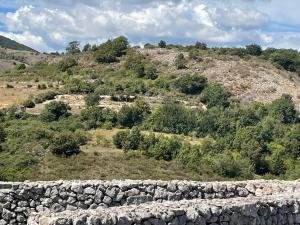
11 44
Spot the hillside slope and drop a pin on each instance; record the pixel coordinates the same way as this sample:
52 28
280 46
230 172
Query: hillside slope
11 44
248 80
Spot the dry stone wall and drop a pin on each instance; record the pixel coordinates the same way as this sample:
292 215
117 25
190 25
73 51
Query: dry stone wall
275 210
19 200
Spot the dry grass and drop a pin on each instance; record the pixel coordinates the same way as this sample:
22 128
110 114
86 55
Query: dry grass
98 161
101 160
16 95
108 166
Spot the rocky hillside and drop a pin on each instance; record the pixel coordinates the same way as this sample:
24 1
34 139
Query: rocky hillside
248 79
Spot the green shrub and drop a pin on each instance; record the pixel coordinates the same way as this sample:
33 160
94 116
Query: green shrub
67 64
215 95
172 118
283 109
50 95
21 66
94 117
254 49
191 84
201 45
194 54
55 110
150 71
180 62
110 50
65 144
134 62
130 116
79 86
29 104
166 148
228 166
92 99
120 138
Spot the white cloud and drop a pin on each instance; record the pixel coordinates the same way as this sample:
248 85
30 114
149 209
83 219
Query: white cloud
219 22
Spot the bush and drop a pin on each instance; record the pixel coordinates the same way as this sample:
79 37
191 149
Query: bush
97 117
194 54
286 58
79 86
65 144
92 99
110 50
254 49
42 86
105 55
21 66
130 116
50 95
134 62
283 109
150 72
227 166
201 45
191 84
67 64
120 138
29 104
55 110
215 95
180 61
166 148
172 118
128 140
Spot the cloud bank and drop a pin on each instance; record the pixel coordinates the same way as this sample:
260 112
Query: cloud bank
48 25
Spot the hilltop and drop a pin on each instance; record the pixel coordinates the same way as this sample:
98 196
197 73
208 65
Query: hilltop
11 44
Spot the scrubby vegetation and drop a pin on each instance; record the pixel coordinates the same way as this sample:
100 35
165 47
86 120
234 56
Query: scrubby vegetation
156 113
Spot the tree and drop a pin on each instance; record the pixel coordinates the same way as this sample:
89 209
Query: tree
67 63
191 84
73 47
254 49
172 117
92 99
55 110
180 61
200 45
162 44
87 48
65 144
166 148
215 95
283 109
120 44
110 50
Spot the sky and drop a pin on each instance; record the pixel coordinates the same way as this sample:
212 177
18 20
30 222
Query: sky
48 25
